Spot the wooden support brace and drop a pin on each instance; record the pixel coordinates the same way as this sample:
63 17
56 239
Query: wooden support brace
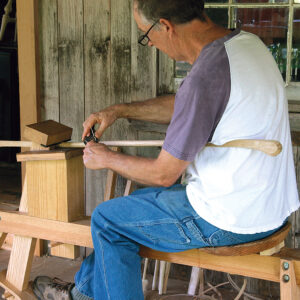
11 293
289 290
20 262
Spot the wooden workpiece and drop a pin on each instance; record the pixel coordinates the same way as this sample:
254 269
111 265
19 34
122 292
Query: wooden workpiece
47 133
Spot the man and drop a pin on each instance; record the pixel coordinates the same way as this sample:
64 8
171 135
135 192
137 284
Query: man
232 196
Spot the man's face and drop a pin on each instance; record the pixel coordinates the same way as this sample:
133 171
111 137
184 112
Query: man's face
160 37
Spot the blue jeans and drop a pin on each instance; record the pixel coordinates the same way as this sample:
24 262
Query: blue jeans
159 218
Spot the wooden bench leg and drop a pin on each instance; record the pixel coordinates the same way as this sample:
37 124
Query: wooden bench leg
155 275
16 279
197 278
20 262
289 290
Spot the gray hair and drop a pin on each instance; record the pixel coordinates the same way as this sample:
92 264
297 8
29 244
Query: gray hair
176 11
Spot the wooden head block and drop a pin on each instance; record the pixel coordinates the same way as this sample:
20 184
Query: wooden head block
47 133
55 186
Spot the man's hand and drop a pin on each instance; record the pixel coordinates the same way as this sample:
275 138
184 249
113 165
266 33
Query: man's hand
104 118
157 110
95 156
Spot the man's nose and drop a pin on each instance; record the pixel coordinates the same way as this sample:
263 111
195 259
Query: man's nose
150 44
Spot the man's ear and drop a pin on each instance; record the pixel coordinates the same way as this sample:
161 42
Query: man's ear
166 25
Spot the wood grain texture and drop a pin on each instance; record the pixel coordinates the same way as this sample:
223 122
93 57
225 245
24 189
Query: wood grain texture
143 67
144 72
12 290
110 185
20 263
97 78
28 61
252 247
55 189
166 73
111 180
22 251
289 290
60 154
47 132
50 90
48 45
269 147
254 265
71 66
75 233
66 251
121 14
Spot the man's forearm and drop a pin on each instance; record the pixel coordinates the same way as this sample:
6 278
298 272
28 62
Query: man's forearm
161 171
138 169
157 110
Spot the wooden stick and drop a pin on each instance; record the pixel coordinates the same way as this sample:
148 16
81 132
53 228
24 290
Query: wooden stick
11 144
155 275
269 147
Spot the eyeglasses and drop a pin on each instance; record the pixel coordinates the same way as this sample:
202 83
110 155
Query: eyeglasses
144 39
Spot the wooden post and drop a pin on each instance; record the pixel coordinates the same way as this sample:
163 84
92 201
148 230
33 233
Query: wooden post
28 55
289 290
55 184
29 70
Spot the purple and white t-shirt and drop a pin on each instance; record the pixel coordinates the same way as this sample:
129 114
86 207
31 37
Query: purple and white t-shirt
235 91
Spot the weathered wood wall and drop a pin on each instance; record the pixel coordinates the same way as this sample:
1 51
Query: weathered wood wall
90 59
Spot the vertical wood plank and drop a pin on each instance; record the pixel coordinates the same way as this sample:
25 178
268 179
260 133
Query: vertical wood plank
49 60
71 67
121 14
120 61
29 67
165 75
71 78
28 60
144 81
143 67
97 49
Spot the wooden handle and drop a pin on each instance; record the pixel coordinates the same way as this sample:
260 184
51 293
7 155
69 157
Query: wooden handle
269 147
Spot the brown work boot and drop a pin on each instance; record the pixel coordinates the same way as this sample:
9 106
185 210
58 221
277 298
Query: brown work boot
46 288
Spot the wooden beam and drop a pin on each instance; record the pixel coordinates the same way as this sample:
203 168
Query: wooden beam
28 55
256 266
75 233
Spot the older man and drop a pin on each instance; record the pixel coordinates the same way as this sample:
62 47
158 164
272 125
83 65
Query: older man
232 196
